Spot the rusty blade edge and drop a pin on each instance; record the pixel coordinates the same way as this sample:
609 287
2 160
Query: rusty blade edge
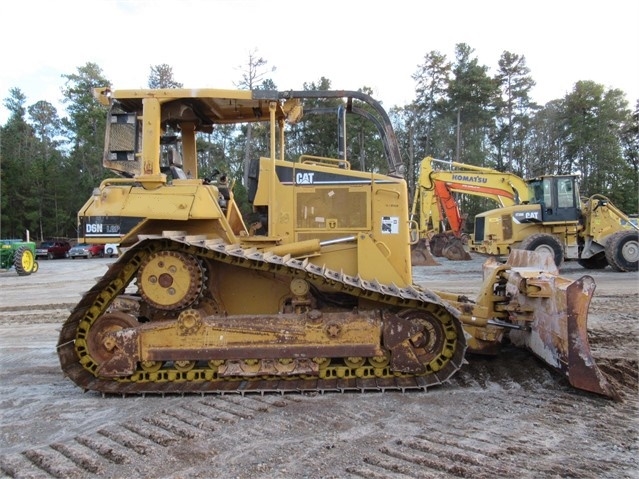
583 372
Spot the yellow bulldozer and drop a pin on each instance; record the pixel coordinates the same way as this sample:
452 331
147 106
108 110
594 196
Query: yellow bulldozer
320 297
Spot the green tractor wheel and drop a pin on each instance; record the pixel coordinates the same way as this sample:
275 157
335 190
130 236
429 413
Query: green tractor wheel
24 261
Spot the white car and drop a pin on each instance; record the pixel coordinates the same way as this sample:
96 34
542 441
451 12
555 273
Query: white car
111 250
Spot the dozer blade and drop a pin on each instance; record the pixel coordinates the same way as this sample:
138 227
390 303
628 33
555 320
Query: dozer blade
558 333
583 372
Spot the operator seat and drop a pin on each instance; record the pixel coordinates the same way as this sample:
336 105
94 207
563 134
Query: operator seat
178 173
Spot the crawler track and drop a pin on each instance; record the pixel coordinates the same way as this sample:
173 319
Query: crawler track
78 365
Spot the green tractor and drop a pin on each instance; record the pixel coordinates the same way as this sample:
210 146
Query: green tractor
19 254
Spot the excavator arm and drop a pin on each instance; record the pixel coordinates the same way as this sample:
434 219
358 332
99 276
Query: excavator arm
434 200
440 221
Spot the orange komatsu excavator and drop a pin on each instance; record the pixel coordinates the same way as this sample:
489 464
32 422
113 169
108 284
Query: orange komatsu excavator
436 211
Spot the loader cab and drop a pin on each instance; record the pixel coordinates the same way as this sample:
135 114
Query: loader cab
558 197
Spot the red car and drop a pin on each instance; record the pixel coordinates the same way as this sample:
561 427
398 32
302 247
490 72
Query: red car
53 249
85 250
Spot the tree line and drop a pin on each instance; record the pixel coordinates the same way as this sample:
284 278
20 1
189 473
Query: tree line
49 163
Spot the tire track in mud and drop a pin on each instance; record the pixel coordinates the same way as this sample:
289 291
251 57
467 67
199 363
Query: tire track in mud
519 439
139 446
528 403
522 442
35 314
544 433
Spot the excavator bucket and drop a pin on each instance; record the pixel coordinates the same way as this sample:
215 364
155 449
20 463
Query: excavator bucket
420 254
437 244
558 331
455 251
449 246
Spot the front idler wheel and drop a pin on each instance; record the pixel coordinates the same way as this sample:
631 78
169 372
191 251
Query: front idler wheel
429 342
100 347
423 342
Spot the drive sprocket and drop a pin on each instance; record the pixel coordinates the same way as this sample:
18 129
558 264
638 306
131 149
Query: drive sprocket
170 280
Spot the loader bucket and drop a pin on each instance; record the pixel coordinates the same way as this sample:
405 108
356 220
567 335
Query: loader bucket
420 254
558 331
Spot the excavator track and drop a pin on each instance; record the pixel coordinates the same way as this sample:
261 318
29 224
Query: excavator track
351 374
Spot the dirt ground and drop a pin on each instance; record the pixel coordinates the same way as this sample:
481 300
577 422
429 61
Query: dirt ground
498 417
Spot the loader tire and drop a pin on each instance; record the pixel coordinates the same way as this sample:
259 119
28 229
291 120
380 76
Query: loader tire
598 261
542 242
622 251
24 261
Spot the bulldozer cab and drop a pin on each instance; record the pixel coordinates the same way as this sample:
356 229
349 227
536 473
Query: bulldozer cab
151 141
123 153
558 197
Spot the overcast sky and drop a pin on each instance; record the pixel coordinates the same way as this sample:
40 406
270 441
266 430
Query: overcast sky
354 43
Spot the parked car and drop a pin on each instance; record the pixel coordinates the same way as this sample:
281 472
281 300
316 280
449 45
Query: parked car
111 249
53 249
85 250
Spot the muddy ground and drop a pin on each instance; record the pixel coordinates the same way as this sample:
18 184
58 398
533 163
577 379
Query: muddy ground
498 417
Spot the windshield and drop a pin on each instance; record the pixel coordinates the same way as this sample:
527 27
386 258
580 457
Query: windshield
539 192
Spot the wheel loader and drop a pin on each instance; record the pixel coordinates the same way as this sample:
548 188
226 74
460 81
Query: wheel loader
558 221
315 293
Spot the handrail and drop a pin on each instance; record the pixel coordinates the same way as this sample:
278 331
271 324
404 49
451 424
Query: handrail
324 161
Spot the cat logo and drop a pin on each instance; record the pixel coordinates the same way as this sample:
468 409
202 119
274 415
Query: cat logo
304 178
